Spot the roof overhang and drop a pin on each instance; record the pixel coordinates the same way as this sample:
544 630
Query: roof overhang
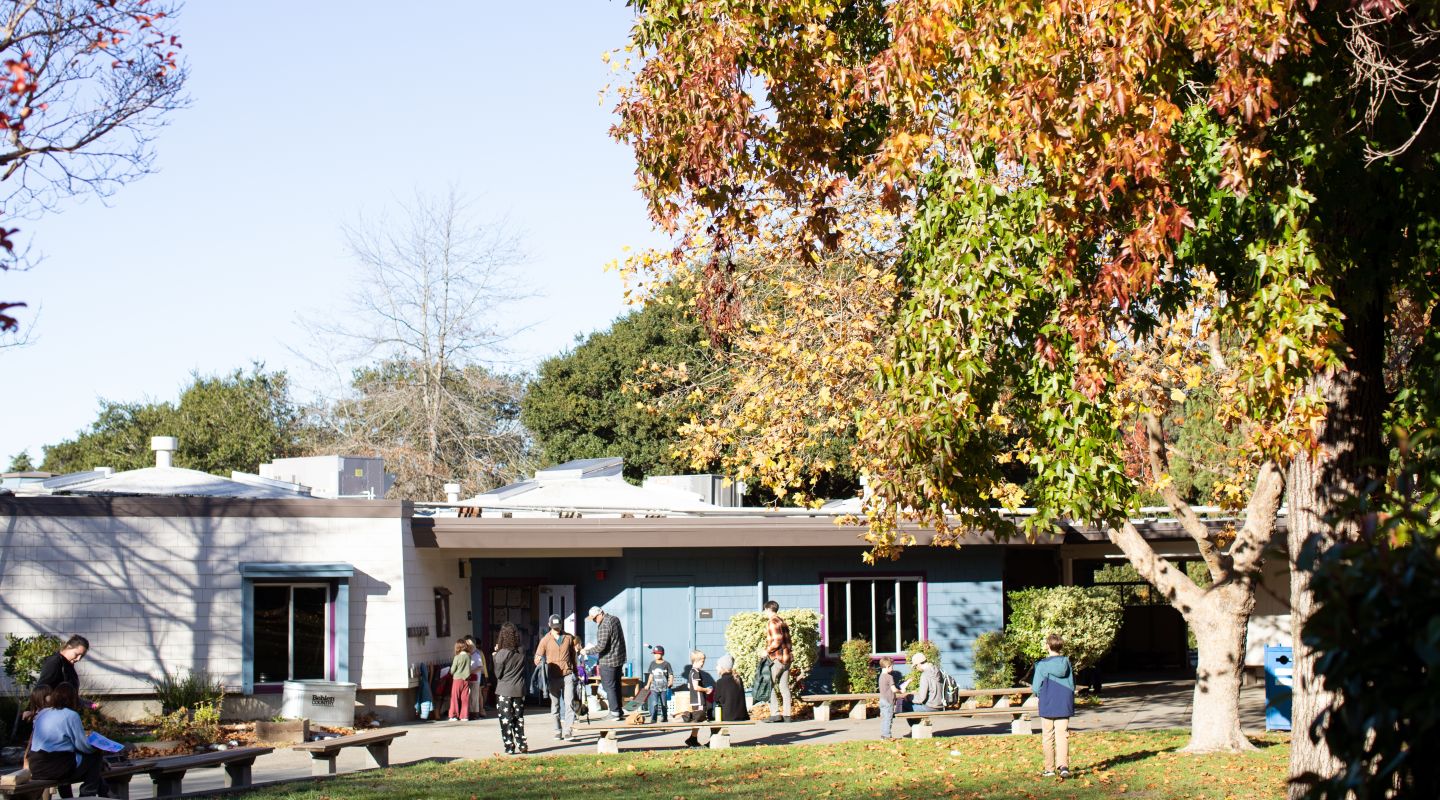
491 536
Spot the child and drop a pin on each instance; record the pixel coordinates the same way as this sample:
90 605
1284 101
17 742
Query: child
701 687
459 682
661 676
729 695
1054 685
888 697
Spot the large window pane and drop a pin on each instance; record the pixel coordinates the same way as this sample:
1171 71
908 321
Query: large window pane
272 633
862 610
309 638
909 612
886 609
836 620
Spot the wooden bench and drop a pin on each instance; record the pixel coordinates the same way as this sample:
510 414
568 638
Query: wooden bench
609 741
324 753
822 704
20 786
1019 716
168 774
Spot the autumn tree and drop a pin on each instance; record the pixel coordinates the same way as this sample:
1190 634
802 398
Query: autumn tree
414 349
87 85
234 421
1073 171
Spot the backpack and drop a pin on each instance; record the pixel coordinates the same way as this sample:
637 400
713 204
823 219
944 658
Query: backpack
950 690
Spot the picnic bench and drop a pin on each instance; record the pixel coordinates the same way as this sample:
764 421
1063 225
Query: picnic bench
20 786
822 704
168 774
324 753
609 741
1019 716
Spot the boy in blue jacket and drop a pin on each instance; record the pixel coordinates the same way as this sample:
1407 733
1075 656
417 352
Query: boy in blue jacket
1054 685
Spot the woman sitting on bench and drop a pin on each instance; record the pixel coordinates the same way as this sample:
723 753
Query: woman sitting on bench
58 750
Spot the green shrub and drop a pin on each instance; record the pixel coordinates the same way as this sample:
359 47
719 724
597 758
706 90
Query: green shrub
172 727
932 654
747 631
994 661
24 655
205 724
1088 619
188 691
855 673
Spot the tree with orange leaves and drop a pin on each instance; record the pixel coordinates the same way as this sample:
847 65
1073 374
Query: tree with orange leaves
1073 168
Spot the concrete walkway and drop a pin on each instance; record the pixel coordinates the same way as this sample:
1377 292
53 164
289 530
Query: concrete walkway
1126 706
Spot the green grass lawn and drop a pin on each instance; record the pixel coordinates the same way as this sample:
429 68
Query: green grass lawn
1107 765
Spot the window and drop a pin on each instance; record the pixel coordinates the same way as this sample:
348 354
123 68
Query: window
442 612
887 611
291 628
295 623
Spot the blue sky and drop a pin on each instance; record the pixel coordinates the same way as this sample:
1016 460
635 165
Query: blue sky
305 116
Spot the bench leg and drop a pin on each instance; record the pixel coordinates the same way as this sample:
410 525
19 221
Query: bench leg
323 764
378 755
860 710
608 743
822 712
1020 726
922 729
169 785
119 787
237 774
721 740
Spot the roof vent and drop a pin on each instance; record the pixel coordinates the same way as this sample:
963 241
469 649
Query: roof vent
164 447
452 492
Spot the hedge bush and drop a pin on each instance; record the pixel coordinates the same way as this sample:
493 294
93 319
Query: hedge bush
1087 618
24 655
994 661
855 673
748 630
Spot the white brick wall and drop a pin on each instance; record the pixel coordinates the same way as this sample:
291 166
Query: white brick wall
425 571
158 594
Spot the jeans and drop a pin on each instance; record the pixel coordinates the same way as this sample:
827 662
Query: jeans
923 707
610 681
780 682
562 693
658 705
887 716
1055 742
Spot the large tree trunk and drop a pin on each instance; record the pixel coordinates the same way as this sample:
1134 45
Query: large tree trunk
1220 624
1349 456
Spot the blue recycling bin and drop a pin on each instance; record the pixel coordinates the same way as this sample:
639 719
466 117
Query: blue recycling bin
1279 683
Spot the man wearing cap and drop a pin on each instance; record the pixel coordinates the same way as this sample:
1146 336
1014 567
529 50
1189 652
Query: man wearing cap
557 651
610 647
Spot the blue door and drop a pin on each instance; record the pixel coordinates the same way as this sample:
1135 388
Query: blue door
666 620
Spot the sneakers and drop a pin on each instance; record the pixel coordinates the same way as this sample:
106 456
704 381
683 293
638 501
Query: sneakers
692 742
1049 773
1064 772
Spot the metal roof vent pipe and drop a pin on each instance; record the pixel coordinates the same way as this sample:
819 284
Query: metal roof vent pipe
164 447
452 492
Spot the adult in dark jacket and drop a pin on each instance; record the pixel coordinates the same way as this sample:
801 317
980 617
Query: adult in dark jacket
610 647
510 689
60 667
1054 685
